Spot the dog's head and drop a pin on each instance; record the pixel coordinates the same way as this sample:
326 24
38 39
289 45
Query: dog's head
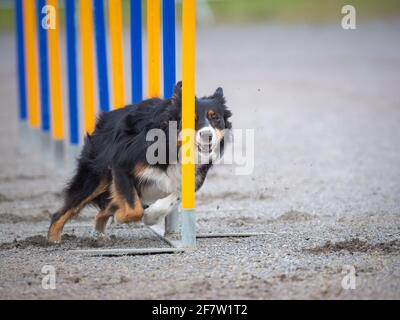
211 119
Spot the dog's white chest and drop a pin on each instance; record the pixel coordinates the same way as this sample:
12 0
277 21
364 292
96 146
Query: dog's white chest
159 183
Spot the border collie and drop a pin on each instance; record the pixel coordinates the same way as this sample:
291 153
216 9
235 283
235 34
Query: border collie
114 174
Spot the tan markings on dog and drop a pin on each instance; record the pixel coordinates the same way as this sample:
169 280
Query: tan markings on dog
219 133
139 168
125 213
103 216
57 226
210 114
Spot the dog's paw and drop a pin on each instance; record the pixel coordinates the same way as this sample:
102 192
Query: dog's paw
152 219
100 235
175 202
54 241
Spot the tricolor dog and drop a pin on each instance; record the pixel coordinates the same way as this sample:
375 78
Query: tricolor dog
114 172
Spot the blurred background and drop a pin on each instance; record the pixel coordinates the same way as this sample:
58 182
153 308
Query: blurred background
256 11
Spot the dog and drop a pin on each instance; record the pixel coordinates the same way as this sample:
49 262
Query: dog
114 173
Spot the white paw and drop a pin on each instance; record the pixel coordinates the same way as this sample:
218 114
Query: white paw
161 208
152 219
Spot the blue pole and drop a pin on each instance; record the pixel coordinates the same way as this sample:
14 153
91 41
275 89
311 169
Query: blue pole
169 47
136 50
72 71
44 69
169 64
19 21
101 51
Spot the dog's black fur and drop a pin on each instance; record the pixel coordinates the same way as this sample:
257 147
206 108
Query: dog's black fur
105 170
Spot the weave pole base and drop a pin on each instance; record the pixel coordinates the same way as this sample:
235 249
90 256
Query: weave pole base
58 152
185 244
23 136
72 153
29 139
188 231
172 224
45 145
127 251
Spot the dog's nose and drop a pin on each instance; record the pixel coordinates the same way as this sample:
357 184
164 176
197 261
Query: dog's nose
206 135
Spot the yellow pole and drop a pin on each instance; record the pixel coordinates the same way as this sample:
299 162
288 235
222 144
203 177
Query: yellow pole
31 60
188 102
117 59
86 21
153 34
55 77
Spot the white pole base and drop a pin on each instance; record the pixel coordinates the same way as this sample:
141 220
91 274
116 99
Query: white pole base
58 152
172 223
188 230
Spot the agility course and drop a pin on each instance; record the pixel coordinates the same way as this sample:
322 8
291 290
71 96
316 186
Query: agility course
39 63
41 87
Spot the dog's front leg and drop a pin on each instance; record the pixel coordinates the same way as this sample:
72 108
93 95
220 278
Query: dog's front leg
161 208
125 201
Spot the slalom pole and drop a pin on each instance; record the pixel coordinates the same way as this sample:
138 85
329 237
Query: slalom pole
117 56
21 79
188 122
153 36
32 77
169 54
72 73
101 55
57 121
19 26
169 64
136 50
86 21
43 80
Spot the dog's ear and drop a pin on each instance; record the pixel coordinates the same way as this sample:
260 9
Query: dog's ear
227 115
219 95
171 113
177 95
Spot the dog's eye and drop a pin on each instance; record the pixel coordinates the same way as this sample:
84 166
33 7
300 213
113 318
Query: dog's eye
212 115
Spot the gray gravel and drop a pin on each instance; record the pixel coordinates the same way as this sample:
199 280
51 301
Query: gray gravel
325 106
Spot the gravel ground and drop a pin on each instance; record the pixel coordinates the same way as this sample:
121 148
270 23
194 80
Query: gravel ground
325 107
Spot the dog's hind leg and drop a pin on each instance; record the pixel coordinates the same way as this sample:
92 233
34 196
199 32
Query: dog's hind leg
103 202
82 190
103 216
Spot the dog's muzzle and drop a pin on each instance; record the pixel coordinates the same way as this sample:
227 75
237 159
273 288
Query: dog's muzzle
206 139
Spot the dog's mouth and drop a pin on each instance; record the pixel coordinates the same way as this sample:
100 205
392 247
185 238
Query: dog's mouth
205 148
